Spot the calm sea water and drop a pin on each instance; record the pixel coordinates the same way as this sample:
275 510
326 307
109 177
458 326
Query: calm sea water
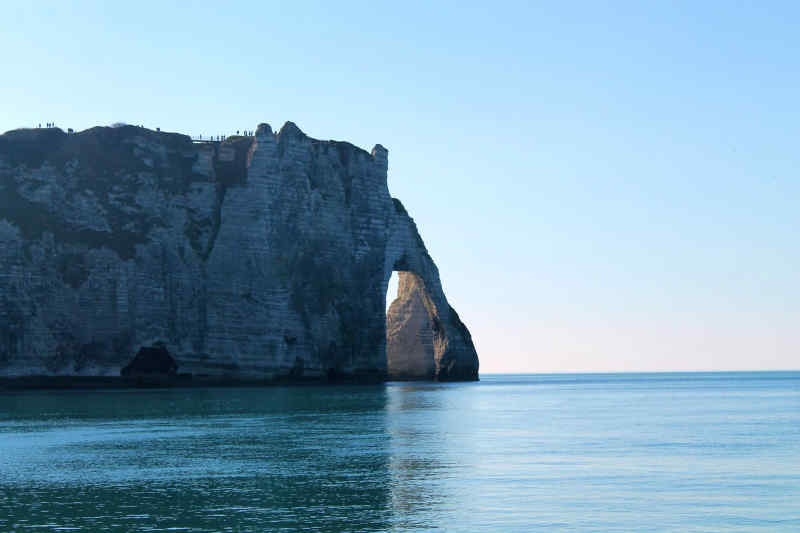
709 452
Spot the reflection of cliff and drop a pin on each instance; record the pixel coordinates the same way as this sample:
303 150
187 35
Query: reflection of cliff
415 462
215 459
256 258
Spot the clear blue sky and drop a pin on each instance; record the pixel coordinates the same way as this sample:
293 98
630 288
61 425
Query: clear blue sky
604 187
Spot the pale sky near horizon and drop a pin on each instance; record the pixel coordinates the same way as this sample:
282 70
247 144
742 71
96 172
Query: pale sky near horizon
603 187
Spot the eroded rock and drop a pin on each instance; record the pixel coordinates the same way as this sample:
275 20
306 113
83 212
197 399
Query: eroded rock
258 258
409 332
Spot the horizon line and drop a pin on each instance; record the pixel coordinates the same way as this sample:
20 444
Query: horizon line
638 372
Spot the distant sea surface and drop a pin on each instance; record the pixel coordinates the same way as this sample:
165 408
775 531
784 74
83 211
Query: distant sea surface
710 452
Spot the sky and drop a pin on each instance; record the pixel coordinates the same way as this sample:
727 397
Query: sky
605 186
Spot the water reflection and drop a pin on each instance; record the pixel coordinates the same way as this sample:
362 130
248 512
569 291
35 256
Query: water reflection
578 453
417 487
206 460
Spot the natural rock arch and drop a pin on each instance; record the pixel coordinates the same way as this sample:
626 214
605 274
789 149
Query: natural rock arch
425 338
251 259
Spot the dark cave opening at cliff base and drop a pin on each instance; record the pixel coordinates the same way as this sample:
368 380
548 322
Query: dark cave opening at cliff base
409 329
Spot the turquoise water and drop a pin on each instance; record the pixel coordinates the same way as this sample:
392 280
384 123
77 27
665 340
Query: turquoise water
711 452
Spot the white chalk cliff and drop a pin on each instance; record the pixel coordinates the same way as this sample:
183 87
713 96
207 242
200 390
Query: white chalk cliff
253 259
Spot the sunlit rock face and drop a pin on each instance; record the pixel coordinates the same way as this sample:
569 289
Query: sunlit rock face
409 332
254 259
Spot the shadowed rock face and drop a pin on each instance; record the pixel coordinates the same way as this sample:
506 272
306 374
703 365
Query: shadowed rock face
258 258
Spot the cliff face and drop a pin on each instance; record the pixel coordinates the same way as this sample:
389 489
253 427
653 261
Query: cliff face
252 259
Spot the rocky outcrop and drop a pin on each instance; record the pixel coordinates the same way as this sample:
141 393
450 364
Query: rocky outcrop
253 259
410 354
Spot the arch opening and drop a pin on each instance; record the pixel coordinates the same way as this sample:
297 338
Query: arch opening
391 291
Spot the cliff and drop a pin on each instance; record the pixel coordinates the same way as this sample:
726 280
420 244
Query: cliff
254 259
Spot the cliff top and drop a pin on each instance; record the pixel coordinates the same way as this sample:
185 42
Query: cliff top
32 146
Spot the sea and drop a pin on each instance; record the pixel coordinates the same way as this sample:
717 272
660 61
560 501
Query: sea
662 452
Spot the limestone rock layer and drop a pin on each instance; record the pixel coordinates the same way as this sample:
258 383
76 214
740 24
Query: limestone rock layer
252 259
